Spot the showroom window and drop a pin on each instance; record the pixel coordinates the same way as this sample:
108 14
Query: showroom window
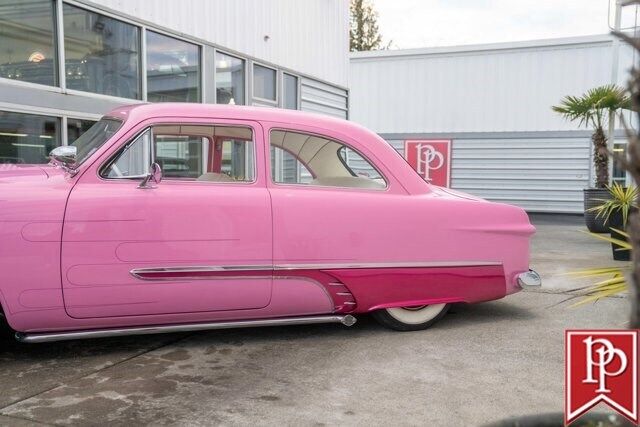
318 161
101 54
173 69
264 82
290 89
27 41
76 127
27 138
229 79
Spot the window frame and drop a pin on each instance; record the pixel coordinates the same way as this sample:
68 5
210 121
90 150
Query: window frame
60 124
58 74
272 181
143 63
284 87
63 60
273 102
245 70
114 156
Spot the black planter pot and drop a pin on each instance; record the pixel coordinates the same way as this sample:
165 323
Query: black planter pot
557 420
593 197
616 221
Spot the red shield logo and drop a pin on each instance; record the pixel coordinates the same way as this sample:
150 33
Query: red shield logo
431 158
601 366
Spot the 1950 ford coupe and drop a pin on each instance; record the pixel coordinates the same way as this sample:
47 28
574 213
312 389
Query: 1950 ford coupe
174 217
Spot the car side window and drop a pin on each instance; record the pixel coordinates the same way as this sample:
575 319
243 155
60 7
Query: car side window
314 160
134 159
189 153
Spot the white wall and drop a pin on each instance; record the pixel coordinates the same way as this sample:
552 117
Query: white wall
309 36
502 87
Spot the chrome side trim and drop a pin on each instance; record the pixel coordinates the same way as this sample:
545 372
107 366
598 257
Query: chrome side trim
410 264
138 272
34 338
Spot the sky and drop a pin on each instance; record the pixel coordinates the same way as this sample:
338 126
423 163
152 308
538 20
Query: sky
426 23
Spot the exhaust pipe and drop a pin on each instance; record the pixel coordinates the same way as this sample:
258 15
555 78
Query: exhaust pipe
35 338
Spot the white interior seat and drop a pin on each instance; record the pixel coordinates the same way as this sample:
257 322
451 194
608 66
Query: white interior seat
348 182
215 177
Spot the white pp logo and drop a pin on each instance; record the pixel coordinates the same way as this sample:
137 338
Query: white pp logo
606 354
428 159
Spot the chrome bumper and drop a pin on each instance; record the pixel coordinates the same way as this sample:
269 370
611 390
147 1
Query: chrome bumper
529 279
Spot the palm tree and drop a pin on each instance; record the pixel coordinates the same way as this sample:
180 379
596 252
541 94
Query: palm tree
592 109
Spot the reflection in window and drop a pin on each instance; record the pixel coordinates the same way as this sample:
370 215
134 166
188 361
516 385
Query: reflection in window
173 69
290 92
27 41
101 54
76 127
264 82
229 79
27 138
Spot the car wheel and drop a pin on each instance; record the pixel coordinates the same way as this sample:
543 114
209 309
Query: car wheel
411 318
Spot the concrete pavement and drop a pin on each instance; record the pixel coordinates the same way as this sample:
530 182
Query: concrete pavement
481 363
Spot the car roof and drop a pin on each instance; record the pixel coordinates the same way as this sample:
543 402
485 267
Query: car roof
364 137
240 112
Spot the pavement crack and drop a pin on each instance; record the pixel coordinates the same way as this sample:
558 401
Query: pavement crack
569 293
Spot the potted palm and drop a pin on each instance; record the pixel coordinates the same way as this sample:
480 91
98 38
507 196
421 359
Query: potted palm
591 109
615 211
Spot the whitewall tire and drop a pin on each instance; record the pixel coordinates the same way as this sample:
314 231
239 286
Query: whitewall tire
411 318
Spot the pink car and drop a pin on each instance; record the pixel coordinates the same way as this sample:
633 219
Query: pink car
263 217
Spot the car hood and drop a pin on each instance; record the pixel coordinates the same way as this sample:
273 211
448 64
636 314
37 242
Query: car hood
33 192
12 172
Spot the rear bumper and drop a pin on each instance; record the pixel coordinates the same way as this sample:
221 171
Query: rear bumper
529 280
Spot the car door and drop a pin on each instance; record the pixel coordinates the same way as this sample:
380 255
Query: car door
332 204
183 245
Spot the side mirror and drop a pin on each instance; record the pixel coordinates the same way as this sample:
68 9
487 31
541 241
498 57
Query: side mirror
65 156
155 175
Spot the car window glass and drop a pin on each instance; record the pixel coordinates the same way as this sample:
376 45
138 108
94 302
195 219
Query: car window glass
134 159
300 158
205 153
286 168
180 156
357 165
189 153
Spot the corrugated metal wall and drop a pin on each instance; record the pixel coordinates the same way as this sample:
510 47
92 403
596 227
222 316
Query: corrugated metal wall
318 97
491 88
494 102
543 174
312 39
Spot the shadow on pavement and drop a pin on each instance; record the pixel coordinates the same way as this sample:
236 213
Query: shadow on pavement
459 316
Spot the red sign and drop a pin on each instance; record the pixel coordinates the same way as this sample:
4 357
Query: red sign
601 366
431 158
